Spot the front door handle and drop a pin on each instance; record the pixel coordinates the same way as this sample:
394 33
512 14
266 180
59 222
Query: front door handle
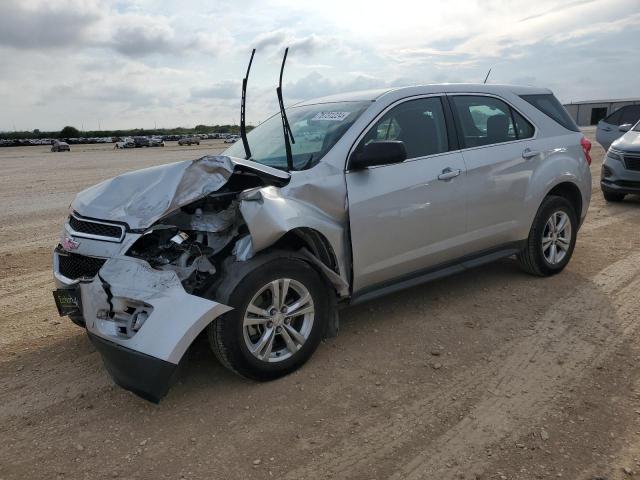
448 174
607 129
528 153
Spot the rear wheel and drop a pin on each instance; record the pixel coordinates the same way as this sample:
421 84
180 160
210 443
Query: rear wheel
552 238
280 312
612 196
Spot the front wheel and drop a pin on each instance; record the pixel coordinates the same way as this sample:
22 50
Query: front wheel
281 308
552 238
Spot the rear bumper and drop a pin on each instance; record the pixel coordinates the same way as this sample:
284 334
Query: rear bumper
144 375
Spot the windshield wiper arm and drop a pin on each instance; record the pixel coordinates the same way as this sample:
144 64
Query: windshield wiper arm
243 106
288 136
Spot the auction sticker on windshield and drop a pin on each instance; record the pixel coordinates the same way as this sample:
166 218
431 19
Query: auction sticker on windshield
331 116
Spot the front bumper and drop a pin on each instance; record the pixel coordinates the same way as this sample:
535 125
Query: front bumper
617 178
144 375
622 187
142 322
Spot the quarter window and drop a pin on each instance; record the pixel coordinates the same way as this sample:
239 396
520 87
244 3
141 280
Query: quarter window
487 120
419 124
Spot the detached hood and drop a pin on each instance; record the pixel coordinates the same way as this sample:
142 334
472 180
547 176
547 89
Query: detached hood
142 197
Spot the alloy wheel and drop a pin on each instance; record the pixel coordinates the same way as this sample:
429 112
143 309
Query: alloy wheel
556 237
278 320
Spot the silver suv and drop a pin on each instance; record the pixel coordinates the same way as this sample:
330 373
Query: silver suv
338 201
621 167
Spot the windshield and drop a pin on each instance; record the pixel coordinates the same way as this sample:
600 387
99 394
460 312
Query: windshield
315 128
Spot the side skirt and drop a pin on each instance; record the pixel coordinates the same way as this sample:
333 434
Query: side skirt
440 271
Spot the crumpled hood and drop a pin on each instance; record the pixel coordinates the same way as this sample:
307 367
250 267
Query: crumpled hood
142 197
629 142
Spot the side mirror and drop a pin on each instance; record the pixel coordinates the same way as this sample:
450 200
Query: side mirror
382 152
625 127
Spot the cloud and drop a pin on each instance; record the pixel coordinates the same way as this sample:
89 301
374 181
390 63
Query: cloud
270 39
308 45
132 62
305 45
131 96
138 35
45 25
316 85
223 90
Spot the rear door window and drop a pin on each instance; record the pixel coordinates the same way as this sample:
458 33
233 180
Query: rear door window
614 118
488 120
631 114
524 129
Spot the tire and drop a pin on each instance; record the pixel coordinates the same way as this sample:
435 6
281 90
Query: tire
612 196
231 339
535 259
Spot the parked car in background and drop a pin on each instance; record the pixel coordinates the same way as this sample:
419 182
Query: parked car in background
125 143
156 142
617 124
620 175
231 139
397 187
59 146
191 140
142 142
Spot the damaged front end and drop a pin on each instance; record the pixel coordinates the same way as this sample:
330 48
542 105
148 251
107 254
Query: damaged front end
147 291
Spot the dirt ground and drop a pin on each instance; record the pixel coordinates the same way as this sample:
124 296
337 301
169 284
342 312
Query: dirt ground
490 374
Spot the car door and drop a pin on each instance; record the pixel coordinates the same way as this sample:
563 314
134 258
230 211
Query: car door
607 130
408 216
499 150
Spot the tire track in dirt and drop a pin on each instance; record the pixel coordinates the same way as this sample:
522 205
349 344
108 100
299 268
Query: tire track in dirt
600 222
530 369
561 352
48 382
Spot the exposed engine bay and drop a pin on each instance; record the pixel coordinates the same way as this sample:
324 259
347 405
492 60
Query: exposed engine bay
193 241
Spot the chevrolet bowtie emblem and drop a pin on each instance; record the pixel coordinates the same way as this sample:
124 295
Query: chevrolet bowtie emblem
69 243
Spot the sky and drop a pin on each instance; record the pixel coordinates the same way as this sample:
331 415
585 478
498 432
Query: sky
108 64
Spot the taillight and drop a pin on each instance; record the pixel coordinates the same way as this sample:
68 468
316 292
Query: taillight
586 148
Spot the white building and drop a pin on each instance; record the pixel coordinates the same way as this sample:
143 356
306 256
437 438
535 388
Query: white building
590 112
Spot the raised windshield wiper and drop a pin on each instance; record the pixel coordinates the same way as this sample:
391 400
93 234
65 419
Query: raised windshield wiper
288 136
243 104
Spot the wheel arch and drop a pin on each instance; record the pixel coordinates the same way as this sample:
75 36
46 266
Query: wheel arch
571 192
314 241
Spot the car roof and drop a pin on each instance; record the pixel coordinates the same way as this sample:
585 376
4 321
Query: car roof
407 91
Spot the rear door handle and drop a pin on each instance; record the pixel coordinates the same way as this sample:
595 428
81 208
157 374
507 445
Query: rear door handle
448 174
528 153
607 129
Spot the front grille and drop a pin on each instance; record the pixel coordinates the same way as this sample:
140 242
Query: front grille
94 228
74 266
627 183
632 162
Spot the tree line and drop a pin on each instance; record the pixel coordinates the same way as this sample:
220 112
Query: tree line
73 132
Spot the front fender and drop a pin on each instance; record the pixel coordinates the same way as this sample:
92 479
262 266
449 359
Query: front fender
269 216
